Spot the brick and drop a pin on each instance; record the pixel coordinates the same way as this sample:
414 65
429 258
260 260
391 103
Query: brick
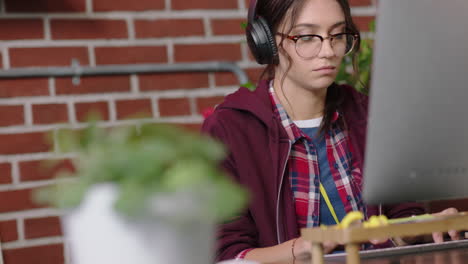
47 56
362 22
174 107
49 6
50 113
172 81
131 54
37 170
93 85
360 2
15 29
203 4
8 231
227 26
208 102
5 173
88 29
207 52
169 28
42 227
24 143
227 78
135 5
24 87
137 108
50 254
18 200
84 110
11 115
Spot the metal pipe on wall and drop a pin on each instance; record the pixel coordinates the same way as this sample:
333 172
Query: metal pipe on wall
76 70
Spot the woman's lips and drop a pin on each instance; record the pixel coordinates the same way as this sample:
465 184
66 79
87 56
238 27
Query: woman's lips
326 70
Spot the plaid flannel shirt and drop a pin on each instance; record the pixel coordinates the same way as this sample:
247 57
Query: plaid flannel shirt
303 168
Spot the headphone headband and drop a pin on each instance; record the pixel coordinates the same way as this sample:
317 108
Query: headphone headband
252 11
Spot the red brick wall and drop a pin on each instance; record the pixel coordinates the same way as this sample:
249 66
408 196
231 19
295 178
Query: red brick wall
100 32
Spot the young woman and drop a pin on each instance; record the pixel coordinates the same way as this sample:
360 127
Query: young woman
298 139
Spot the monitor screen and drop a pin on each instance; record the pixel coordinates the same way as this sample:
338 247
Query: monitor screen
417 139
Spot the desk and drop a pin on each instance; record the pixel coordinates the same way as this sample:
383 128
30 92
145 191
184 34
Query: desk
453 252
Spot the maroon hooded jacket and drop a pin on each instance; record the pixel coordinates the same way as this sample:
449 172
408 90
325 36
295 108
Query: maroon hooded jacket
258 152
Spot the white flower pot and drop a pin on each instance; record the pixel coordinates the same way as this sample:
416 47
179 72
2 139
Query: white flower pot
98 234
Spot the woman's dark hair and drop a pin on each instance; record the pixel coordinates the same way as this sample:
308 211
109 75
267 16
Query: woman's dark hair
274 12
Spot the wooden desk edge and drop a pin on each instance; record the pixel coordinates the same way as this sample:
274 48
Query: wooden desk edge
361 234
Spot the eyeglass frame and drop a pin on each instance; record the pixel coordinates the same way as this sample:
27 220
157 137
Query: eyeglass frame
295 38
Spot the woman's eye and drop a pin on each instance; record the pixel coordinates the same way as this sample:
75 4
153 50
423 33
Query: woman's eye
307 38
339 36
312 40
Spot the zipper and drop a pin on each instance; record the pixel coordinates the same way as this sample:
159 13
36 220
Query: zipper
279 194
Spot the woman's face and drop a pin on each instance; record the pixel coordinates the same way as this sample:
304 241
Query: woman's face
320 17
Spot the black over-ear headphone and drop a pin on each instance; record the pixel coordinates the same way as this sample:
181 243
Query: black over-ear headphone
261 41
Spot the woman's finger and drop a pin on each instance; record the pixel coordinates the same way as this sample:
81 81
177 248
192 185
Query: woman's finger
329 247
448 211
438 237
454 235
378 241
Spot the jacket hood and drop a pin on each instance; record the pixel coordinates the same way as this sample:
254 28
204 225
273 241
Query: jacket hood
255 102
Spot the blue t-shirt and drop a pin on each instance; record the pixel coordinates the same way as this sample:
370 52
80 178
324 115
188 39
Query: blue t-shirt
326 178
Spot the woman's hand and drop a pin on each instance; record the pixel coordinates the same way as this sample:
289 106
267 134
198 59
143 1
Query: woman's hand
296 249
438 237
302 249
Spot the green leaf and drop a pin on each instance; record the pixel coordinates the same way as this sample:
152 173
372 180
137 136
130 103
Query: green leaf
250 86
243 25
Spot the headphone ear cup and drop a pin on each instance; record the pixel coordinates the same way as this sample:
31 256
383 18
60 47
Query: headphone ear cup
272 49
261 42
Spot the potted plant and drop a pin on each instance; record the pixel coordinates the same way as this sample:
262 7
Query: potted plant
150 194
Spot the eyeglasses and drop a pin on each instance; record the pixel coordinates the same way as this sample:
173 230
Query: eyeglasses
309 46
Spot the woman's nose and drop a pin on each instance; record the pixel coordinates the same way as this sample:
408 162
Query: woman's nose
326 50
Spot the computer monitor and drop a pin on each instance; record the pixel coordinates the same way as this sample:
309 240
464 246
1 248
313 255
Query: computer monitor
417 140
